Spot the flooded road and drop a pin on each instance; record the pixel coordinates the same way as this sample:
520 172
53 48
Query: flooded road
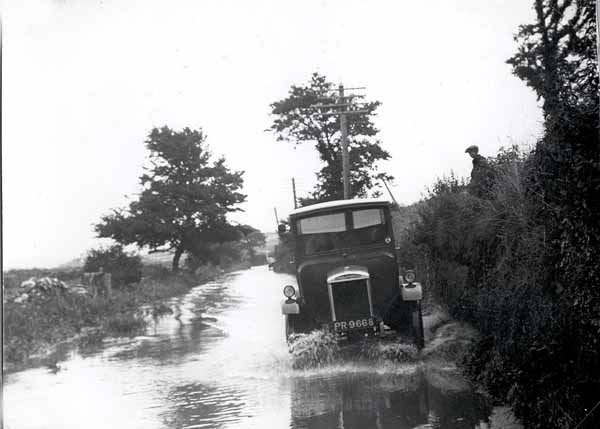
225 364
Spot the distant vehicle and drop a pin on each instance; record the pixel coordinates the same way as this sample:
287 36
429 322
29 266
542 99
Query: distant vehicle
270 261
347 274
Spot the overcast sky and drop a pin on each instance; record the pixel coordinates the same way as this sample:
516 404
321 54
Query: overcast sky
84 81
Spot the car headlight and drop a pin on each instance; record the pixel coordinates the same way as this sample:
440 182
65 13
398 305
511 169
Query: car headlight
289 291
410 276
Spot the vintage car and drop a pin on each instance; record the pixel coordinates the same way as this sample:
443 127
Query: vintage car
347 273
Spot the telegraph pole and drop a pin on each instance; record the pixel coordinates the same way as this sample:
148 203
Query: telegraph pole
294 190
344 106
345 154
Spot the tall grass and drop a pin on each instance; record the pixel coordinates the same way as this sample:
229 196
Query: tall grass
505 262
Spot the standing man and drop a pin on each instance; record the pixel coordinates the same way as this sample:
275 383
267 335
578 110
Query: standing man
481 175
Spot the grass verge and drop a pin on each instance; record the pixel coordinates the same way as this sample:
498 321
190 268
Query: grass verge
36 325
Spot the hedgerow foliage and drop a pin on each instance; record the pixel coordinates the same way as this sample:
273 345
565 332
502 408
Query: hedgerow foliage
520 260
521 263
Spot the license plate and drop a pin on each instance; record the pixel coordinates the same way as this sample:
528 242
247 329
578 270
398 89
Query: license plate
346 325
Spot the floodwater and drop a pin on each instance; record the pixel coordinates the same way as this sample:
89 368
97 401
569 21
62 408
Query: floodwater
225 364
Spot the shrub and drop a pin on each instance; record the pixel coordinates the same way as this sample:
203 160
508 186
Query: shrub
206 272
91 338
224 255
520 262
45 319
156 271
125 268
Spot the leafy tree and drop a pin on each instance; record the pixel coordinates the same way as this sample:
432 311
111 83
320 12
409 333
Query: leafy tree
185 197
298 121
240 246
557 56
251 240
125 268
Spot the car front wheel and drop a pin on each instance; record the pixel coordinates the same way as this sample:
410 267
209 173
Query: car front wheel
289 329
297 324
417 325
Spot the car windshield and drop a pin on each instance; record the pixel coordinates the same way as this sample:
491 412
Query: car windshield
341 230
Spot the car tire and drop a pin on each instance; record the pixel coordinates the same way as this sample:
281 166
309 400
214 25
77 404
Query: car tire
297 324
417 325
289 329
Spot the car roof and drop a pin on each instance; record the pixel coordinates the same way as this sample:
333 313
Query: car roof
332 205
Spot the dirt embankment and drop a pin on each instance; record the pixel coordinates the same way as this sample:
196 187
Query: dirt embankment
446 338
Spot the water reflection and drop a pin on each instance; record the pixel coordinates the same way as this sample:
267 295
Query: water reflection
170 340
371 400
199 405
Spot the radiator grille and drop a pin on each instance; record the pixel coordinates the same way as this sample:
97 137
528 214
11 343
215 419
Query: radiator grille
351 300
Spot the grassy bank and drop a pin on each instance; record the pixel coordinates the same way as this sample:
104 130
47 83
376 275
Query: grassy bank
517 259
42 321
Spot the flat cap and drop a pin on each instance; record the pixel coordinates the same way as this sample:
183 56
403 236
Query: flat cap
472 148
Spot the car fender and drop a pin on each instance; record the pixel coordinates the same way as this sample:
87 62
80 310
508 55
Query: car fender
290 307
412 292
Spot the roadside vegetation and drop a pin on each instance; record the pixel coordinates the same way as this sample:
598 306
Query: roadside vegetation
139 294
517 256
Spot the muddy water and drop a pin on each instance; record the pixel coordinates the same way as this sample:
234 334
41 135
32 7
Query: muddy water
224 364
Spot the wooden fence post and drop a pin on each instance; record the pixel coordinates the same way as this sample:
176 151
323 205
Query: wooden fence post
108 284
100 282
